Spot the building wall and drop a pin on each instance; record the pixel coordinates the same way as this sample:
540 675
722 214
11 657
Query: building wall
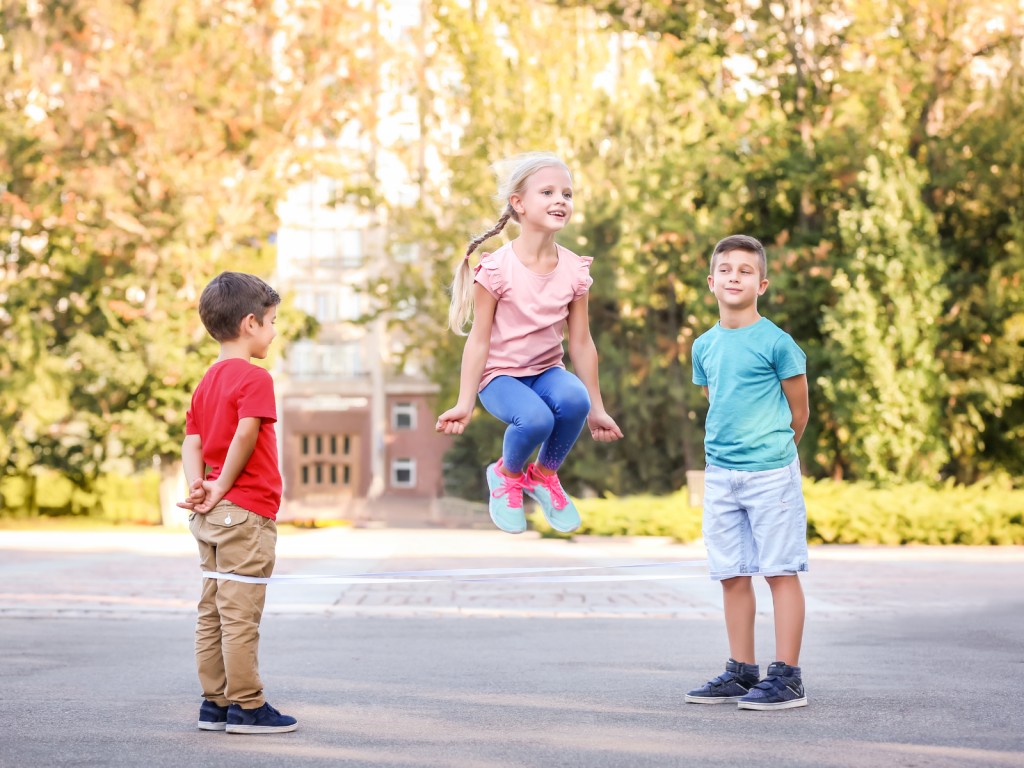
417 448
346 382
325 455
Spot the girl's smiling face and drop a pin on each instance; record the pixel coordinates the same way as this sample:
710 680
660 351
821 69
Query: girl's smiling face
547 201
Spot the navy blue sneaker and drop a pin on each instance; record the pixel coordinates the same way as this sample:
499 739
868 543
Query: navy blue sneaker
782 688
212 717
263 719
728 687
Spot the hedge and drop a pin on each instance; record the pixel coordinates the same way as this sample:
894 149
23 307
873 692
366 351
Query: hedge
114 498
837 513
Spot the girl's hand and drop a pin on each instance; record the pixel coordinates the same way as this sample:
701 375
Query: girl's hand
603 427
454 420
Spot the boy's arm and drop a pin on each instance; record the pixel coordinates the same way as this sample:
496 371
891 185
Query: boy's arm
795 390
241 448
195 469
192 459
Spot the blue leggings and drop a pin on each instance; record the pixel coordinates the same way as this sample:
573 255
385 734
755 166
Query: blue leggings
548 410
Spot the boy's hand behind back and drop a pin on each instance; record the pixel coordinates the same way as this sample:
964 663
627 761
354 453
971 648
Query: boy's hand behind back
196 494
214 493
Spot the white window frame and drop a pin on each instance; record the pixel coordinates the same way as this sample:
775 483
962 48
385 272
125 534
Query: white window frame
403 409
398 465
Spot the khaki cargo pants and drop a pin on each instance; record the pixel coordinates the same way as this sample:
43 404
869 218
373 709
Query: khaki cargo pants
232 540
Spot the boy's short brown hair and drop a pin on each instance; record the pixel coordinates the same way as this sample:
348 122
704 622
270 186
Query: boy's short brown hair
741 243
230 298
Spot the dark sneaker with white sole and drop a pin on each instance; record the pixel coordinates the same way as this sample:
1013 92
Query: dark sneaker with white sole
781 688
263 719
729 687
212 717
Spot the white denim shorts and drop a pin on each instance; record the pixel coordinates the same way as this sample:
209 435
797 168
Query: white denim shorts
755 523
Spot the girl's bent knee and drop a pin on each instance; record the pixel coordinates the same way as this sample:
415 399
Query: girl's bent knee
536 426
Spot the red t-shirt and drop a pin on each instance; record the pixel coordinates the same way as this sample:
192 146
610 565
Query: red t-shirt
232 390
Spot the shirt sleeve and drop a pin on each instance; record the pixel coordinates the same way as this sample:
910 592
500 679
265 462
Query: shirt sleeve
491 276
790 360
583 280
700 378
256 396
192 427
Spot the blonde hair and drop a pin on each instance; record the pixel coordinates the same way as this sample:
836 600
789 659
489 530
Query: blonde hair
513 174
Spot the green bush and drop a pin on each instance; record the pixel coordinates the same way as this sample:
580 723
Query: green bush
837 513
856 513
114 498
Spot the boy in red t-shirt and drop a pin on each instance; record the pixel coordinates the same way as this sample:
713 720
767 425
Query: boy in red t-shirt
230 459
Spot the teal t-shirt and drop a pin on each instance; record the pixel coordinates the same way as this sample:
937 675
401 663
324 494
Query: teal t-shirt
748 423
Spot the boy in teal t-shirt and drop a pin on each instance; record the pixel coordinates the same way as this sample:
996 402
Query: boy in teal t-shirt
755 522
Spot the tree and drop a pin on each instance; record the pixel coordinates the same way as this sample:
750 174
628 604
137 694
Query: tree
145 146
885 384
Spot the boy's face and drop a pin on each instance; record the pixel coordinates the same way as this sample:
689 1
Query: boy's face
261 335
736 279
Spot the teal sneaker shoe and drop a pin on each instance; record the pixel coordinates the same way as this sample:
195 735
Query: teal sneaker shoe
556 505
506 503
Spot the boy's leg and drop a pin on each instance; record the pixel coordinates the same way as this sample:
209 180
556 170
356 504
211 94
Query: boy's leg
209 658
788 601
731 556
778 520
740 611
246 544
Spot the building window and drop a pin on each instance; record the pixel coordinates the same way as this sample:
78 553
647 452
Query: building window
325 445
403 416
324 475
324 465
403 473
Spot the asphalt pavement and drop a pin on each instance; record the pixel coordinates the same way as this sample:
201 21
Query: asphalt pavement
912 656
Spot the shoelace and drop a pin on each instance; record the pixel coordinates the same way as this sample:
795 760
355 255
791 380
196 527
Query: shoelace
551 482
513 486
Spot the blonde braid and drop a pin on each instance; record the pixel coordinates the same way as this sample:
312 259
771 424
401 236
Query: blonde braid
461 309
502 221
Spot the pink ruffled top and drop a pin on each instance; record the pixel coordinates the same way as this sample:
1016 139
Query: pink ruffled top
529 320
